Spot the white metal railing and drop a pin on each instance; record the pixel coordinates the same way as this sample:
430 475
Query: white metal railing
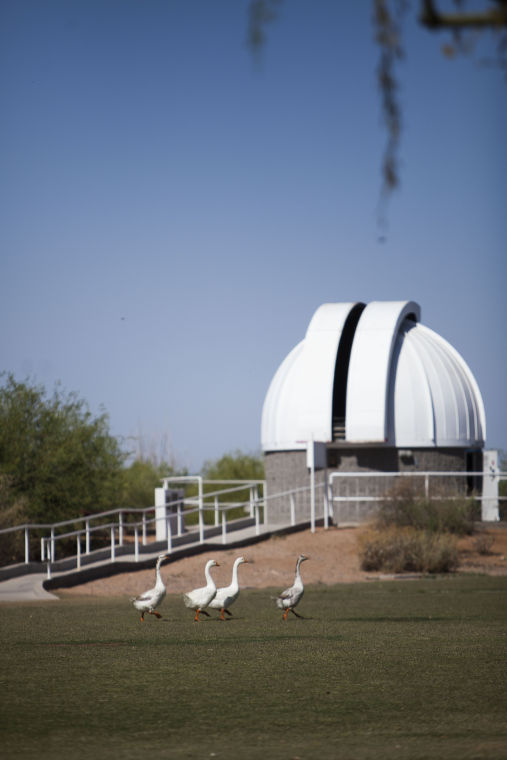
117 529
199 500
314 513
414 474
426 476
48 544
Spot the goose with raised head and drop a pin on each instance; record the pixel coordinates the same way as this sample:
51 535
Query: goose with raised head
200 598
149 600
289 598
228 594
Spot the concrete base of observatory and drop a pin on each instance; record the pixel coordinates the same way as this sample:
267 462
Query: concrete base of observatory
288 470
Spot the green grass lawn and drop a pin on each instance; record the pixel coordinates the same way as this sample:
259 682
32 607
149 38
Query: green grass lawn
403 669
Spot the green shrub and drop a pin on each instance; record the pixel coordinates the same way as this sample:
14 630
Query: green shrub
407 549
139 480
59 459
12 512
233 466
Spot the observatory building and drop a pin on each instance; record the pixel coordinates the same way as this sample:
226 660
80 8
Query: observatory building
378 392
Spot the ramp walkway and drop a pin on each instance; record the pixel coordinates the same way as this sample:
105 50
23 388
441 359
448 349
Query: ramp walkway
36 586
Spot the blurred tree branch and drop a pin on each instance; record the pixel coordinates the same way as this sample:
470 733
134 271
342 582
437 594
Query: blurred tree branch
388 16
260 14
493 18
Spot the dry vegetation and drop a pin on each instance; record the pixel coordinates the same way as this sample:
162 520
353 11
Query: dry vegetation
334 559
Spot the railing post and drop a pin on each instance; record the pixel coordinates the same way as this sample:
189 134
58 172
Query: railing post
113 548
44 550
252 502
120 528
427 485
27 546
136 543
52 549
217 515
180 516
201 525
312 495
87 537
330 497
292 510
330 503
224 528
256 511
201 516
169 534
144 528
326 505
78 552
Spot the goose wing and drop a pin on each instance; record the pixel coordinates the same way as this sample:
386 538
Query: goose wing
287 594
290 597
199 597
146 596
224 597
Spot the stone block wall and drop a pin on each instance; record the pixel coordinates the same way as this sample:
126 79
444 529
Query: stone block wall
287 470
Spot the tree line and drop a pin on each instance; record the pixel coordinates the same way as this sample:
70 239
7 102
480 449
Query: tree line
58 461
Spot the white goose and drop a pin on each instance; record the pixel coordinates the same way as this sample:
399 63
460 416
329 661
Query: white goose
201 597
288 599
149 600
228 594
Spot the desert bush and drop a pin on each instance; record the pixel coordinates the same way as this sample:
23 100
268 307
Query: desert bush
407 506
407 549
483 543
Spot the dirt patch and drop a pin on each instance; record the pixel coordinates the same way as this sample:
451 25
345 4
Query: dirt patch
333 558
485 551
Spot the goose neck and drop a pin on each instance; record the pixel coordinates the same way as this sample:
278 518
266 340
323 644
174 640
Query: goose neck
235 581
207 574
298 571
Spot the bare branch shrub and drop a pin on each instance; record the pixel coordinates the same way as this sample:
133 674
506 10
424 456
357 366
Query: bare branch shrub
483 543
406 505
401 550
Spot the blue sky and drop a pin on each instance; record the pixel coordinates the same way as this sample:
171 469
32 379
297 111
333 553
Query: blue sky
174 210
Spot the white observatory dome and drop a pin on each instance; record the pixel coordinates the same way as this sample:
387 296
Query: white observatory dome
372 375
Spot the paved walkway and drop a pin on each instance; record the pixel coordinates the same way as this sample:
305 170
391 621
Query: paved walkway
25 588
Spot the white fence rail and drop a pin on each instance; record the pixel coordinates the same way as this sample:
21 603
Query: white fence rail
123 531
346 487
